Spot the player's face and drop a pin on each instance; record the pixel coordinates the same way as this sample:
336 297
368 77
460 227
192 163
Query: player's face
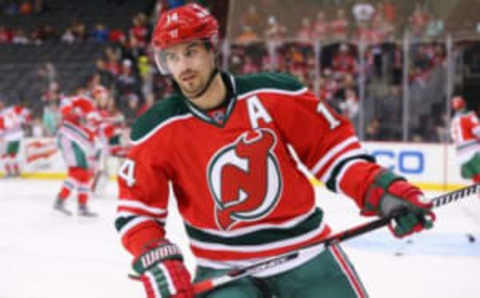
190 65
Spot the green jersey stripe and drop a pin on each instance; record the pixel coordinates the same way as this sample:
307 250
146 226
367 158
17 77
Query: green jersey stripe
265 236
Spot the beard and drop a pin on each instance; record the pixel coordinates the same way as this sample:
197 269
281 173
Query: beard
193 88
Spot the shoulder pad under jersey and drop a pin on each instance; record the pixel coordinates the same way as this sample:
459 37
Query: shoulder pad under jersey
267 80
160 112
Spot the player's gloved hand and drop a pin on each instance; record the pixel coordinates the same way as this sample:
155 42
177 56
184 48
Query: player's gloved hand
391 195
162 271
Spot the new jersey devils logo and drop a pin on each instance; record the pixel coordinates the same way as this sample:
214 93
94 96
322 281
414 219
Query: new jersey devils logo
245 179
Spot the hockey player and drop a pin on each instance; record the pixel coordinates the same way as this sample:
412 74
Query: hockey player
109 132
76 140
14 120
222 142
465 133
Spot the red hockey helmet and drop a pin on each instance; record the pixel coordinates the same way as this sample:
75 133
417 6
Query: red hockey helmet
183 24
458 103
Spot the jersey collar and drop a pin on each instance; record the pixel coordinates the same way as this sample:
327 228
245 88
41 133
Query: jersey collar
228 103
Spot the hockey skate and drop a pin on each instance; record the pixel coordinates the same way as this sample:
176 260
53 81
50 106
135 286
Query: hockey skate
83 210
60 206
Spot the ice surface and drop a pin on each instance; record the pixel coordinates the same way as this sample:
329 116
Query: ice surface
47 255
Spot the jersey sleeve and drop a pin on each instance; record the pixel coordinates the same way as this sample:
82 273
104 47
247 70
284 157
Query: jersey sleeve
143 200
326 143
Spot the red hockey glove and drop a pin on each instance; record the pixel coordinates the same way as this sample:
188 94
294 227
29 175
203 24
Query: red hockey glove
162 271
390 195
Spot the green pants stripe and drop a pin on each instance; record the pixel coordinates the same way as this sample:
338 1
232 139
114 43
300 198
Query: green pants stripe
73 154
13 147
471 168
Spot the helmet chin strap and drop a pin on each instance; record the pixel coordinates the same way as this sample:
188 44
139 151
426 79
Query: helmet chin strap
207 85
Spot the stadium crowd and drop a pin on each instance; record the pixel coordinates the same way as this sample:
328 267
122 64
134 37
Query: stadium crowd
323 51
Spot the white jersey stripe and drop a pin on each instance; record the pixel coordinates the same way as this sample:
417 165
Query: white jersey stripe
272 90
331 153
139 205
339 159
259 247
129 214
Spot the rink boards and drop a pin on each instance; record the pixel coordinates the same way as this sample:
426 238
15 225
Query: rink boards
431 166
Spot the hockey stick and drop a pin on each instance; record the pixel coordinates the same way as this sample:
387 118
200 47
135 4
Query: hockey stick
235 274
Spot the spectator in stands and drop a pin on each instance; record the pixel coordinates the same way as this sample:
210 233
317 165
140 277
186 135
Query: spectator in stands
5 35
328 86
106 77
127 80
79 31
344 62
25 8
418 20
350 106
252 18
389 11
373 130
112 63
339 26
305 32
100 33
321 27
275 31
397 64
146 72
139 31
247 35
348 82
132 49
434 28
20 37
68 36
132 108
249 65
117 36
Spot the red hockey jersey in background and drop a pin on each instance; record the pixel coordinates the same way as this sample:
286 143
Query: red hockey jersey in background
465 131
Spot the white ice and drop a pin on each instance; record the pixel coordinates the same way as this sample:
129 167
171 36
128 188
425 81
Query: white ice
46 255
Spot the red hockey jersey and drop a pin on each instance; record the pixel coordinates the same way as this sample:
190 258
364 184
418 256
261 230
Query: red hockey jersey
465 131
237 186
78 115
14 118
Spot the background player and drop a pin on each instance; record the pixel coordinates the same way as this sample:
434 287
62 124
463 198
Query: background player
15 119
465 132
240 193
76 140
